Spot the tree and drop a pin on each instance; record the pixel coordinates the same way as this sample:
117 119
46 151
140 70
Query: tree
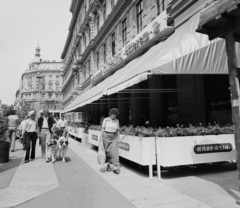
23 110
5 111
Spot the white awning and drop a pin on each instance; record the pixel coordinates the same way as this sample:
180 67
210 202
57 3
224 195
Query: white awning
185 52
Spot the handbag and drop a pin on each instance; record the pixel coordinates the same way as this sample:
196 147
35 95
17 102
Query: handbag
101 157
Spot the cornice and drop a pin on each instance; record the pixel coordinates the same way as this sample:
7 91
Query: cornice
67 100
71 27
68 82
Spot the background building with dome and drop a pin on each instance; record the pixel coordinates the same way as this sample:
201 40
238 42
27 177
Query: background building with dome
41 85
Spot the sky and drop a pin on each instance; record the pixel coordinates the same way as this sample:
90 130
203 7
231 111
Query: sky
24 23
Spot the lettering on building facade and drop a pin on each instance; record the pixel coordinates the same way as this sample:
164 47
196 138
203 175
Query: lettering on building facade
213 148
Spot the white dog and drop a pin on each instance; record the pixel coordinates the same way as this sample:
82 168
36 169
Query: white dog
53 146
63 147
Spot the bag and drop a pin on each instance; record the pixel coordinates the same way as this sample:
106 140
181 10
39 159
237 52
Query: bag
101 157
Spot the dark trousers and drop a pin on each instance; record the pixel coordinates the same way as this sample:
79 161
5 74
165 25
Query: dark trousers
31 138
24 140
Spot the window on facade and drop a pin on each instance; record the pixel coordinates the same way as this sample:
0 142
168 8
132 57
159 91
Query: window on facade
37 86
56 95
43 87
124 31
57 86
89 67
89 33
50 95
104 11
84 41
57 76
162 5
97 60
43 95
98 22
50 87
140 16
112 3
113 44
104 53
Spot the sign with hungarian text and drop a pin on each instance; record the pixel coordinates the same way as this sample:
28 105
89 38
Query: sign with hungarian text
94 137
213 148
124 146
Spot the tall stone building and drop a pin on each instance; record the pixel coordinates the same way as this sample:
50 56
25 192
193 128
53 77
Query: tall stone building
41 85
144 57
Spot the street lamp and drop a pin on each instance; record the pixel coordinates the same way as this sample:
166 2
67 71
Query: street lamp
39 77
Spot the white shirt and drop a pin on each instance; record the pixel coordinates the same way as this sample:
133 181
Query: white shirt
31 126
23 124
61 123
45 123
110 125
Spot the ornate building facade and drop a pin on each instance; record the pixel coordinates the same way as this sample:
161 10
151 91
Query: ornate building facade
109 36
41 85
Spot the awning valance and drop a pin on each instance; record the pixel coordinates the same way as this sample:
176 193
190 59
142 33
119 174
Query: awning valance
185 52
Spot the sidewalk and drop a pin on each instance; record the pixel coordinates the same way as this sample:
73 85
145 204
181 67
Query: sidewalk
81 182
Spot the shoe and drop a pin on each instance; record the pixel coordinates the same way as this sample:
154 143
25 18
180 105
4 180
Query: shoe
32 159
47 160
24 149
12 150
117 171
26 161
109 169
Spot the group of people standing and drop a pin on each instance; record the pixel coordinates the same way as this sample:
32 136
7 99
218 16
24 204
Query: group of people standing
32 129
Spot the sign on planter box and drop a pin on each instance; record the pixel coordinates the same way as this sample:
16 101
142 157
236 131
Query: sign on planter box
94 137
140 150
176 151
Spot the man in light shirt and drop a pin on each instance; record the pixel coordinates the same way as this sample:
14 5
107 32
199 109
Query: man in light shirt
45 125
62 123
30 131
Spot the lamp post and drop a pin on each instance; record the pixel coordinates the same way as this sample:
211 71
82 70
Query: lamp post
39 77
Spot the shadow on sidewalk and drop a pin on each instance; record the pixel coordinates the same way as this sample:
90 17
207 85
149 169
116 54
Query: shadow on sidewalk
222 174
13 163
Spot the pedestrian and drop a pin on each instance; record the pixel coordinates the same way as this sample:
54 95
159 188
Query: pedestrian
38 122
30 131
46 123
110 135
12 127
62 124
23 136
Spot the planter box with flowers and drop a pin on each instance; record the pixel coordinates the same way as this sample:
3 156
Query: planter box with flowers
194 145
75 129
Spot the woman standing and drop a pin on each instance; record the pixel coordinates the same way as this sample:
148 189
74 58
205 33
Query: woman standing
30 131
109 135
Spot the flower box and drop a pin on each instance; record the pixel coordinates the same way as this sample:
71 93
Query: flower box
189 150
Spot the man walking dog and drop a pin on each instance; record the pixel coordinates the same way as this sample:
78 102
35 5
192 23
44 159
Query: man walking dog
45 125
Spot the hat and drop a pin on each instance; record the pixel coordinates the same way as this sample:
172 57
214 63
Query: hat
31 113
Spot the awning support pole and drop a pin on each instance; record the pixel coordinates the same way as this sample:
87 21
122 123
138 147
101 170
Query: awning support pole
234 90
